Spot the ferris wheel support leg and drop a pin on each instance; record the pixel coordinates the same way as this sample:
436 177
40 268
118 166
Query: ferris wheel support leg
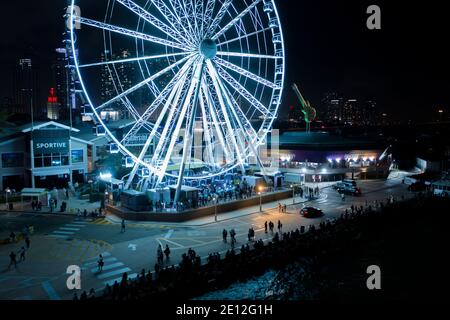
189 133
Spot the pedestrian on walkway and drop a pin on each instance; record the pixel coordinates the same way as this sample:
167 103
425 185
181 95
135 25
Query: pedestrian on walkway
343 197
100 263
122 230
167 252
12 236
271 226
91 294
279 207
265 227
22 254
27 242
224 235
160 255
280 226
233 237
12 260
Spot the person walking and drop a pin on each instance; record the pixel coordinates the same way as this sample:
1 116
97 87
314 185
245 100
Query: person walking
100 263
271 226
265 227
160 255
12 260
167 252
122 229
22 254
280 226
233 237
225 235
27 242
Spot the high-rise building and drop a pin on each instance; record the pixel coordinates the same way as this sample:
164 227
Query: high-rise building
53 106
60 79
332 108
117 78
26 89
370 113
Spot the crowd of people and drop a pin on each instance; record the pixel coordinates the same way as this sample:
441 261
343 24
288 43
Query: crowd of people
192 278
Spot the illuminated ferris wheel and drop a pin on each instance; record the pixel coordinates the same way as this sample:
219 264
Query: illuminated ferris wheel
211 76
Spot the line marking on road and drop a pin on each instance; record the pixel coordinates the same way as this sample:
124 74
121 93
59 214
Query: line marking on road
63 232
172 242
169 234
71 225
58 236
95 262
109 267
69 229
113 273
50 291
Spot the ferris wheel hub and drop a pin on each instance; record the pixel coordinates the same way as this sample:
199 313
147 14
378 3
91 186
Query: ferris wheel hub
208 48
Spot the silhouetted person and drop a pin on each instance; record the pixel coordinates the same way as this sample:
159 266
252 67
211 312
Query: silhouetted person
12 260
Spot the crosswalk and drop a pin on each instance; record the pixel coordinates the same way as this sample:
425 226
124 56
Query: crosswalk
113 269
68 230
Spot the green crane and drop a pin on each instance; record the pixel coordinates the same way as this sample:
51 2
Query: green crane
309 112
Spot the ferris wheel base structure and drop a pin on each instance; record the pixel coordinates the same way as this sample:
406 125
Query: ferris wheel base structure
173 216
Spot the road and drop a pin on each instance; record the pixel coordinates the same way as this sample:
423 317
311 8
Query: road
61 241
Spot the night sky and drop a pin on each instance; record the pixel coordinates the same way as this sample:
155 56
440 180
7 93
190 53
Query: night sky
404 66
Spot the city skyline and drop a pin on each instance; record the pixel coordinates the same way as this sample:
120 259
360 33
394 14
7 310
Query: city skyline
333 53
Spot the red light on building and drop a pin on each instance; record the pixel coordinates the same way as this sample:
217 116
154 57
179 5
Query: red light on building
52 98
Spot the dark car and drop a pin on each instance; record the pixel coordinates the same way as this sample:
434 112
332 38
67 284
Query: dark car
311 212
350 190
417 187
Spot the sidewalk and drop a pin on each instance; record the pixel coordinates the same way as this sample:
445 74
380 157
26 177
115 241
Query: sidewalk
73 204
272 206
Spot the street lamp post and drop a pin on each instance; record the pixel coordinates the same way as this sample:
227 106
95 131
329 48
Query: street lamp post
7 192
293 194
215 209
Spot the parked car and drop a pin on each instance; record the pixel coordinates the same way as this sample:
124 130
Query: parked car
417 187
349 190
311 212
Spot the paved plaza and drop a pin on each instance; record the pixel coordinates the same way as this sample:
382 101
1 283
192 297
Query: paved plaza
63 240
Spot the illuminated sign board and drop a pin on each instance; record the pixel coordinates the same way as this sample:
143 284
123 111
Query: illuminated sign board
51 141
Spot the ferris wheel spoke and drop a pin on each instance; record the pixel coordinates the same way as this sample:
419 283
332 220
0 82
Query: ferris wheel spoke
248 55
215 119
243 92
130 60
246 73
248 131
190 18
245 36
131 33
223 10
206 127
198 13
181 119
208 14
144 14
154 132
178 90
236 19
174 20
142 83
214 76
161 98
